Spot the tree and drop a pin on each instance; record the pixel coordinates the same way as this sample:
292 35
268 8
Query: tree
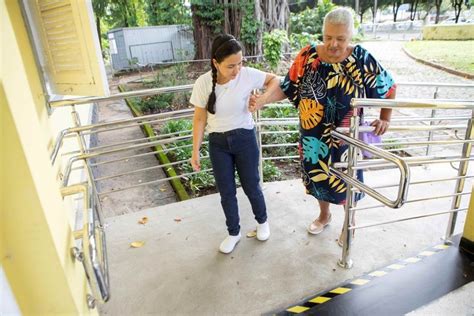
395 6
167 12
126 13
297 6
413 8
100 9
437 4
457 6
245 19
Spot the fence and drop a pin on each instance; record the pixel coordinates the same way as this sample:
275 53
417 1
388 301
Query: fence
92 251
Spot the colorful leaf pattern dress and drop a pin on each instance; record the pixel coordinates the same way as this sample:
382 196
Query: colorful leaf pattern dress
322 93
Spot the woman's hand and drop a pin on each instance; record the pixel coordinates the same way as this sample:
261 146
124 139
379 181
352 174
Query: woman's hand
195 161
381 126
254 103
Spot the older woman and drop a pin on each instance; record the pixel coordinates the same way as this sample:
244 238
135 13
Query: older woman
320 83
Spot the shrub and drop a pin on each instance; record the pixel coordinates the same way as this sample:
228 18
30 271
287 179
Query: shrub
270 171
194 182
273 43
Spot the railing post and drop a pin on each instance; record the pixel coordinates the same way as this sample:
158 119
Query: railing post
259 140
83 149
462 171
346 261
430 134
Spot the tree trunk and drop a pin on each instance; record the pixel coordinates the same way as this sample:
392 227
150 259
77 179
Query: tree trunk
438 10
413 8
275 14
396 6
256 49
457 6
203 36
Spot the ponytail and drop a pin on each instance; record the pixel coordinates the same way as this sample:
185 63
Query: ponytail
211 102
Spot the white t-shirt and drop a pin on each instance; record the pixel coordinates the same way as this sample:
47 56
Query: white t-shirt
231 99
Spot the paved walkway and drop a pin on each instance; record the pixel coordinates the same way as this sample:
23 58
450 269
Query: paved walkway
136 199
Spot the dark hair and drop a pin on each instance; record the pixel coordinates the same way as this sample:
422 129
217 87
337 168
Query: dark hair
223 46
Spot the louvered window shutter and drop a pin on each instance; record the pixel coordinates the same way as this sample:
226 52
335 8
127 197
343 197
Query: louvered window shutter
72 57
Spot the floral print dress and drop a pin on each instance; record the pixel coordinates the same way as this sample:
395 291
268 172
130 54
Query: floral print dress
322 93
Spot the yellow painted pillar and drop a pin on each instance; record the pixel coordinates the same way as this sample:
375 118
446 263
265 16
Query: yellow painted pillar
35 232
467 240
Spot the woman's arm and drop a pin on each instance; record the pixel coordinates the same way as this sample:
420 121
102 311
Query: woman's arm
199 123
272 93
382 124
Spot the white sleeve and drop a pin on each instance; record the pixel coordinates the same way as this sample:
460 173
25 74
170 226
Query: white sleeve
199 96
257 77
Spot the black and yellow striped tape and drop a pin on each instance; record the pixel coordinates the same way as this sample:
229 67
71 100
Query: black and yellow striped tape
326 296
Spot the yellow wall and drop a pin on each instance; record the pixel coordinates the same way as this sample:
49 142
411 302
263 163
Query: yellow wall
469 224
35 233
448 32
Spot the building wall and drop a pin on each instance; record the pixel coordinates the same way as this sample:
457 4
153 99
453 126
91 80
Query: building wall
35 228
151 45
449 32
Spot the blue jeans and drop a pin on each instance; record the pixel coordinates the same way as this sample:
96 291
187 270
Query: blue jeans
231 150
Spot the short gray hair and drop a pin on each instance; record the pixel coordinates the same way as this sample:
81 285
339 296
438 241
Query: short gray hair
341 15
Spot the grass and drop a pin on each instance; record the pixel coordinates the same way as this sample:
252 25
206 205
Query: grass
453 54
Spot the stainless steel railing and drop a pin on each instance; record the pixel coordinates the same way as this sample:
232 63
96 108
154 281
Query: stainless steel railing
353 164
93 250
97 270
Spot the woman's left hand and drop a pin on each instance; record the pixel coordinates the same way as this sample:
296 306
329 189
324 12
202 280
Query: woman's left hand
381 126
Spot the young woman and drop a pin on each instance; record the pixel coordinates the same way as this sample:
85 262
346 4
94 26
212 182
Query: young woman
220 98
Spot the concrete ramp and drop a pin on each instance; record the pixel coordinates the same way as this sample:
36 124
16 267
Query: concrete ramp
180 271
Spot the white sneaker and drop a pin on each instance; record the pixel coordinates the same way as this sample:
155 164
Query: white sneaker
229 243
263 231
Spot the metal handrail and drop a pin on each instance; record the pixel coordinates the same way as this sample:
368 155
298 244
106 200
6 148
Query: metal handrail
436 84
97 127
402 165
412 103
72 160
122 95
93 254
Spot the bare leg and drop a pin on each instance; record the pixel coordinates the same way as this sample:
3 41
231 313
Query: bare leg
324 212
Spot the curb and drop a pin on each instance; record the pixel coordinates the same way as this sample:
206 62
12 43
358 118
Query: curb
162 158
465 75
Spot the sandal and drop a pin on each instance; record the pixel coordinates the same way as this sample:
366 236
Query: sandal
316 227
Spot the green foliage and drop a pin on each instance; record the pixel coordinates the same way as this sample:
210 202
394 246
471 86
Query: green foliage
259 66
270 171
387 144
125 13
195 182
289 135
210 13
310 21
155 103
279 112
180 128
250 25
273 46
167 12
298 41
